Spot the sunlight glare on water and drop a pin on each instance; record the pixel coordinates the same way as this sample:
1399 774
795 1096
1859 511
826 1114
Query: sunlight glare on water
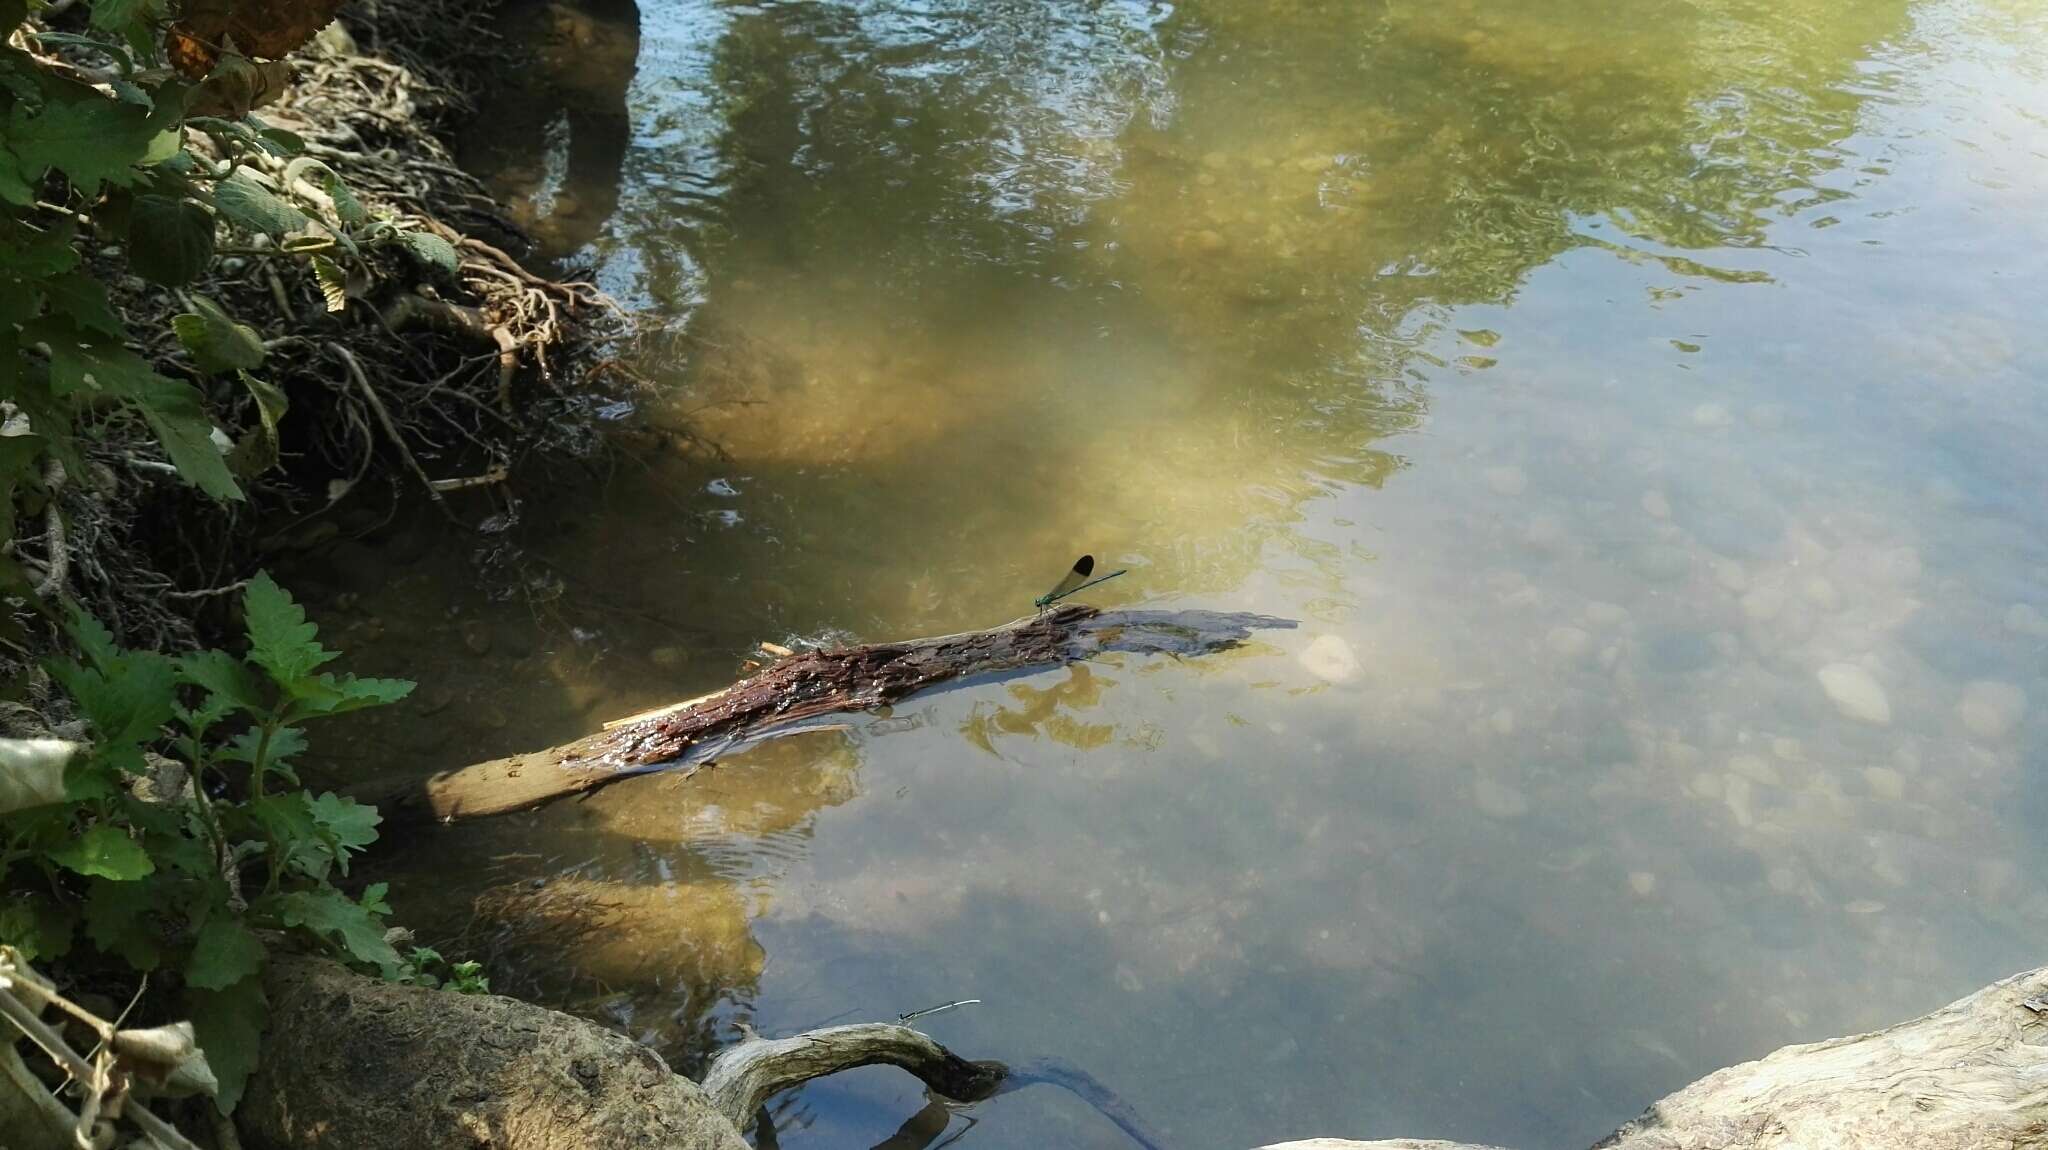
1639 404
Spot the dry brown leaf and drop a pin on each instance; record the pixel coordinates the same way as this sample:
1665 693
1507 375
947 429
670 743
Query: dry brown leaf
263 28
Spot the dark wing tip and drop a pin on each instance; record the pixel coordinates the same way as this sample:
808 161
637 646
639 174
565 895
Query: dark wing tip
1084 566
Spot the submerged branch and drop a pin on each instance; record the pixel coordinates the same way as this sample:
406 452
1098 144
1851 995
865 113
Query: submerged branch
749 1074
807 686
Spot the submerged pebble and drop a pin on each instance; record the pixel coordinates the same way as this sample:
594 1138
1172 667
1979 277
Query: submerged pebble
1330 659
1855 693
1991 709
1885 783
1498 800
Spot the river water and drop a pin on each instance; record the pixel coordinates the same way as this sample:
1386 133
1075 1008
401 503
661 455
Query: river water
1640 404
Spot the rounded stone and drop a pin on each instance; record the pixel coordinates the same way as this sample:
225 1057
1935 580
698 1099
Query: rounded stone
1991 709
1855 693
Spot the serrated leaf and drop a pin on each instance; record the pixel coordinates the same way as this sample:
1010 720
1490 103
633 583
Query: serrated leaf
93 639
350 825
430 249
107 851
83 361
257 451
170 240
340 694
247 204
224 676
281 641
336 919
84 300
127 704
229 1026
225 953
217 343
284 743
91 139
119 920
333 284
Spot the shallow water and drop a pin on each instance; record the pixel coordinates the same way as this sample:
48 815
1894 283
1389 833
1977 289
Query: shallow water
1639 404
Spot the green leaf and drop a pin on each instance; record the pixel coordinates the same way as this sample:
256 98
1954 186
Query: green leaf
91 139
36 926
14 186
117 15
119 920
229 1026
284 142
81 361
106 851
28 253
170 240
18 456
93 639
224 676
217 343
350 825
430 249
126 696
249 205
257 451
281 641
338 695
284 743
333 284
225 953
84 300
335 918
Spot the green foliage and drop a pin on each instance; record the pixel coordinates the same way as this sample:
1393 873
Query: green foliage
190 878
161 163
426 967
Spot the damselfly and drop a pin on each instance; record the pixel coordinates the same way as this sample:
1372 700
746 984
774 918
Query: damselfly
1076 580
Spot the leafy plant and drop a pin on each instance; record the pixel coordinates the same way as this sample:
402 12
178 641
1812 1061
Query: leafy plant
184 839
428 968
150 145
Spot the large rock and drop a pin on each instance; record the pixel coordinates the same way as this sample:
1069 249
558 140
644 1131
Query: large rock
351 1063
1966 1077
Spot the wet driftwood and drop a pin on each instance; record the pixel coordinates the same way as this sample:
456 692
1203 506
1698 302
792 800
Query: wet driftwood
805 686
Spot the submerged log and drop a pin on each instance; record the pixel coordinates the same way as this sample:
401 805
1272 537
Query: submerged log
801 689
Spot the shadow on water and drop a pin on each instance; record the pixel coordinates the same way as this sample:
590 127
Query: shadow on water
942 293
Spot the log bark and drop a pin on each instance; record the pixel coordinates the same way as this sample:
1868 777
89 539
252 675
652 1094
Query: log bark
805 686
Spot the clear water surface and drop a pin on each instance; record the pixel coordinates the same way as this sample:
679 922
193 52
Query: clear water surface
1641 404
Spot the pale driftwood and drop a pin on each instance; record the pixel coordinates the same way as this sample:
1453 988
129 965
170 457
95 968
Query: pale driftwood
747 1075
1970 1076
744 1076
806 686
